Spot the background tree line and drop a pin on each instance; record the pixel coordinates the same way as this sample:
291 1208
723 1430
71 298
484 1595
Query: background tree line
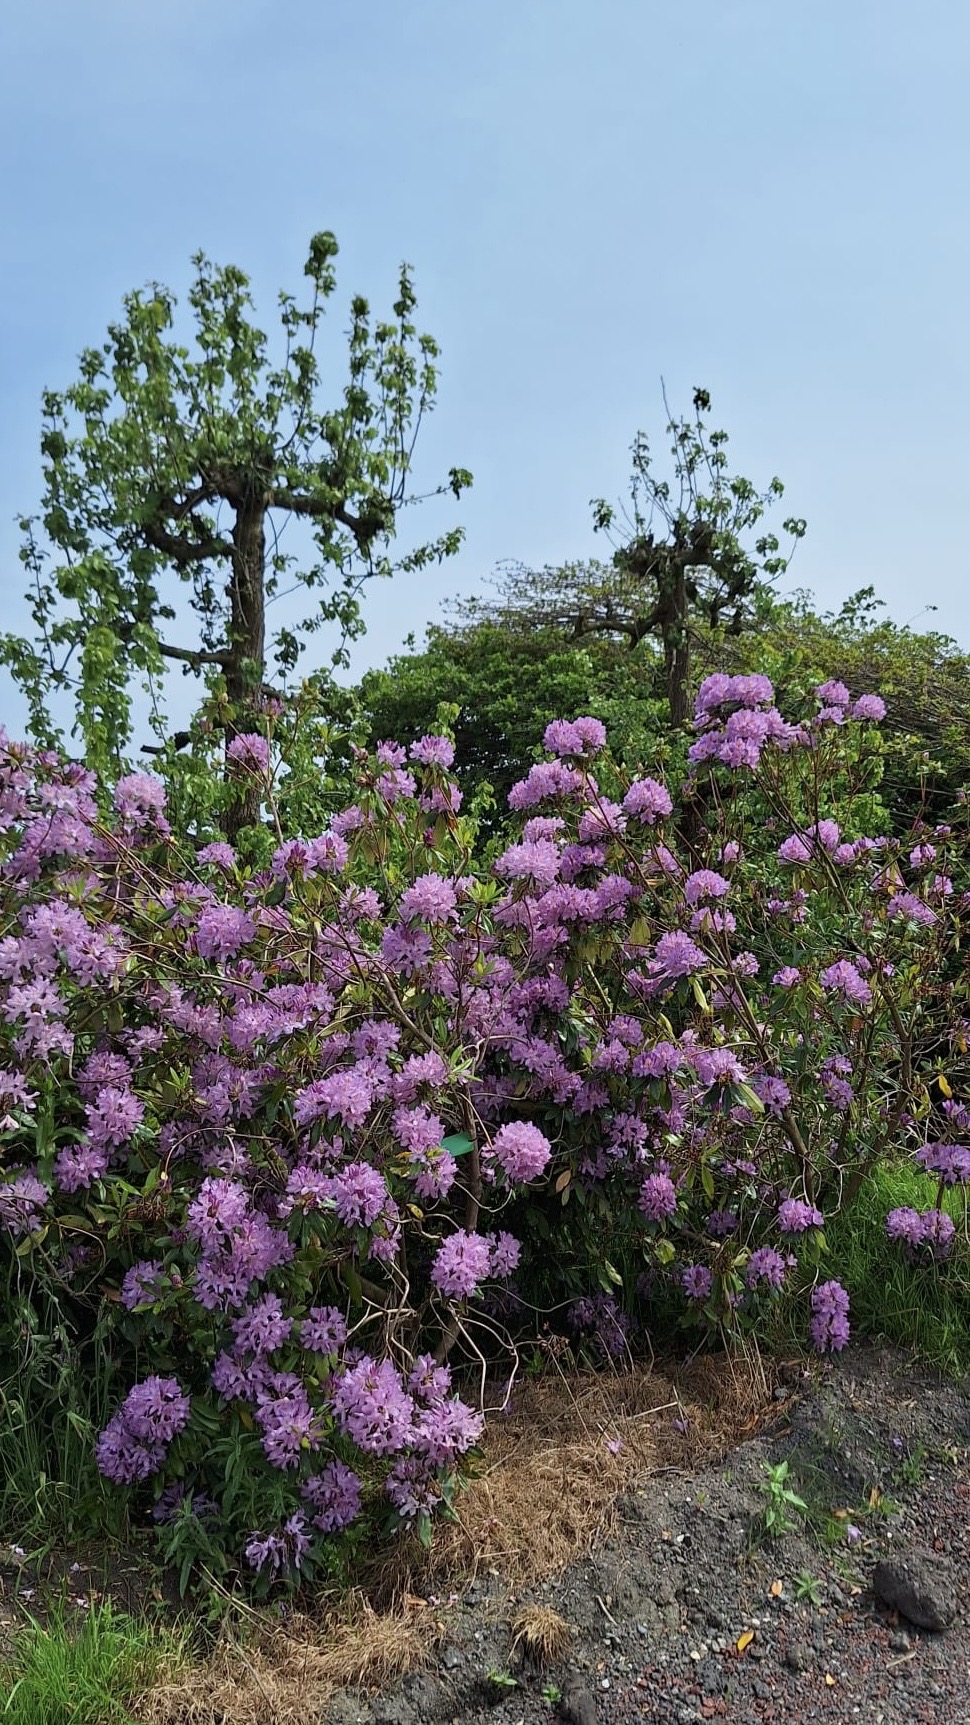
172 464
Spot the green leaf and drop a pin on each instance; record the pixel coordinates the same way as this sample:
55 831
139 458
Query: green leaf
458 1144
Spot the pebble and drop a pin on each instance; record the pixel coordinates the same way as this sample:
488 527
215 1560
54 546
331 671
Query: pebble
797 1657
712 1677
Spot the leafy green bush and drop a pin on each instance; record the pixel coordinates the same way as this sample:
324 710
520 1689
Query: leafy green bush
266 1130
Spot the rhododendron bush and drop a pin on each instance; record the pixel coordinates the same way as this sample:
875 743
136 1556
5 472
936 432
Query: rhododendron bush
277 1126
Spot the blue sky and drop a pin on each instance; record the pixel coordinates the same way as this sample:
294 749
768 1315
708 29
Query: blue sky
769 200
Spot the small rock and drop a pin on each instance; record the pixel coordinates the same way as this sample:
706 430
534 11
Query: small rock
578 1706
451 1658
711 1677
917 1588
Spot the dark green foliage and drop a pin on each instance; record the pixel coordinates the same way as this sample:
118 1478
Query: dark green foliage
507 683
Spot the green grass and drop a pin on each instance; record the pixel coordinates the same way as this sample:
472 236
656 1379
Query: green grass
921 1306
88 1673
56 1393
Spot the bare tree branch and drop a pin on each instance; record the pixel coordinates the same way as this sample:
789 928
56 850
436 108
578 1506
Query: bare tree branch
181 550
195 655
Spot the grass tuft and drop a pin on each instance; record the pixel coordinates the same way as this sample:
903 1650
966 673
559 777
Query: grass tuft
925 1307
540 1634
89 1672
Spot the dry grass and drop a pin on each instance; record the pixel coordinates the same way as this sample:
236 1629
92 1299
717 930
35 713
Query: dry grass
570 1446
554 1466
539 1634
276 1676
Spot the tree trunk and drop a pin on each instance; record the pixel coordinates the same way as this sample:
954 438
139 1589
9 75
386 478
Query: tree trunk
245 672
675 635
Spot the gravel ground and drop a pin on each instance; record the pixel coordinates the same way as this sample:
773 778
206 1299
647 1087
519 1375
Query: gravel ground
689 1613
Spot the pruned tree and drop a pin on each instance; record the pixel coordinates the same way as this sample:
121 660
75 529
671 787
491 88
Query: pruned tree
169 472
683 557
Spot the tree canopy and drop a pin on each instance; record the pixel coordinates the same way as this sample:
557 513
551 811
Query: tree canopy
506 681
169 473
684 558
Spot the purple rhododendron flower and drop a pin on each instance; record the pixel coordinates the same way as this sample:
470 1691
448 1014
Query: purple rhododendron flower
833 694
648 801
114 1116
905 906
658 1197
359 1193
433 751
697 1281
869 707
705 883
222 931
765 1265
77 1166
249 750
676 955
545 780
577 737
262 1326
938 1232
949 1161
21 1198
122 1458
505 1253
717 1066
143 1284
279 1551
345 1096
794 1216
539 861
461 1263
156 1410
430 899
787 977
843 978
139 796
773 1092
521 1149
323 1330
219 854
373 1407
829 1327
905 1224
334 1496
134 1442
